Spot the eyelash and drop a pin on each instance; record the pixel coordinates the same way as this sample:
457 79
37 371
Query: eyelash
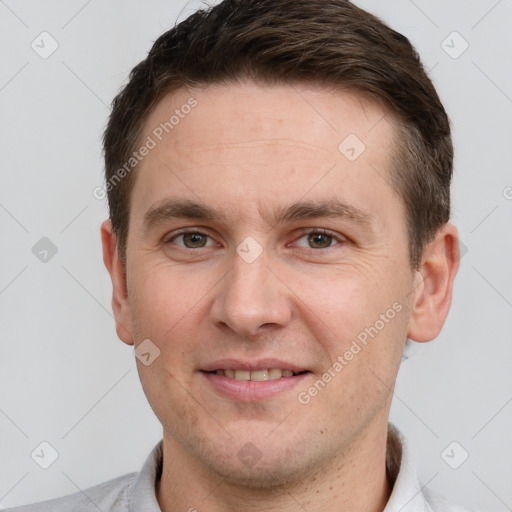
313 231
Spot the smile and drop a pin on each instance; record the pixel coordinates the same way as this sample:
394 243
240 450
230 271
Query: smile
256 375
247 386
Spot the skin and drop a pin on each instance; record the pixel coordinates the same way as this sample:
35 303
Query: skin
246 150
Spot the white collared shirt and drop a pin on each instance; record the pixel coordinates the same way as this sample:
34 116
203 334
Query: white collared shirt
135 492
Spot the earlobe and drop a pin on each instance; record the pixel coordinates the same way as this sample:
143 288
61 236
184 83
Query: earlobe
433 285
120 303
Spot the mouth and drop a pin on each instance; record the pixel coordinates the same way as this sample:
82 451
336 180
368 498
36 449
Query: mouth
252 381
257 375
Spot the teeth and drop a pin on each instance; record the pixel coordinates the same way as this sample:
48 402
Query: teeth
257 375
242 375
275 373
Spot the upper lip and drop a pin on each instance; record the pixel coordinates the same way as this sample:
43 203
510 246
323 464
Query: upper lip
253 365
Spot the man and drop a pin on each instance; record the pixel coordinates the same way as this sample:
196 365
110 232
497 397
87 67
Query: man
278 175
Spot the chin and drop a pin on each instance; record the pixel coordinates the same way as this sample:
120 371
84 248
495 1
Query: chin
277 465
260 477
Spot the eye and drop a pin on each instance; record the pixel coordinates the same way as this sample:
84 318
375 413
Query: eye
191 240
319 239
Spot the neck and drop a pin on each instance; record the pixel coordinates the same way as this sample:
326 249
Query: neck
354 480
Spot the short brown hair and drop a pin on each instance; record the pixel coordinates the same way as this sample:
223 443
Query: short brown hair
325 42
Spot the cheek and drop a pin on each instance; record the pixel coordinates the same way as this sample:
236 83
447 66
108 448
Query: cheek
342 301
363 321
162 309
164 295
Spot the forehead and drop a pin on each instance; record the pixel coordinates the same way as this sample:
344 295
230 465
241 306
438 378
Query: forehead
224 143
238 113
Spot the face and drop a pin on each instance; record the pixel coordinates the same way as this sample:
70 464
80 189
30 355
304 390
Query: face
265 239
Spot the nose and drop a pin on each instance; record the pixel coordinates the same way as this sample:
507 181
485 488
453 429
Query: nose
251 299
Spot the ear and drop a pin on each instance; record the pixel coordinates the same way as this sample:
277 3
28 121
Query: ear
120 304
433 285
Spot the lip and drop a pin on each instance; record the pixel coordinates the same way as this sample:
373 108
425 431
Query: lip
251 390
260 364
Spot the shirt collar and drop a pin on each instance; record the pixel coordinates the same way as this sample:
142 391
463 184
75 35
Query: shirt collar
143 492
406 496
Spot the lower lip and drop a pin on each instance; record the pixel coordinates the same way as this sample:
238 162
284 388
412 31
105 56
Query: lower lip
252 390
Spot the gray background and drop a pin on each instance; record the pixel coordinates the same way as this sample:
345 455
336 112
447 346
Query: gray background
66 379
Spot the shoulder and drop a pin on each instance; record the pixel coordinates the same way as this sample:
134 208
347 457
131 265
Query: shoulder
112 496
438 503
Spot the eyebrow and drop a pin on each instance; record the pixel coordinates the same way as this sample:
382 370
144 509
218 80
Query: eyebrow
186 209
179 209
332 208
